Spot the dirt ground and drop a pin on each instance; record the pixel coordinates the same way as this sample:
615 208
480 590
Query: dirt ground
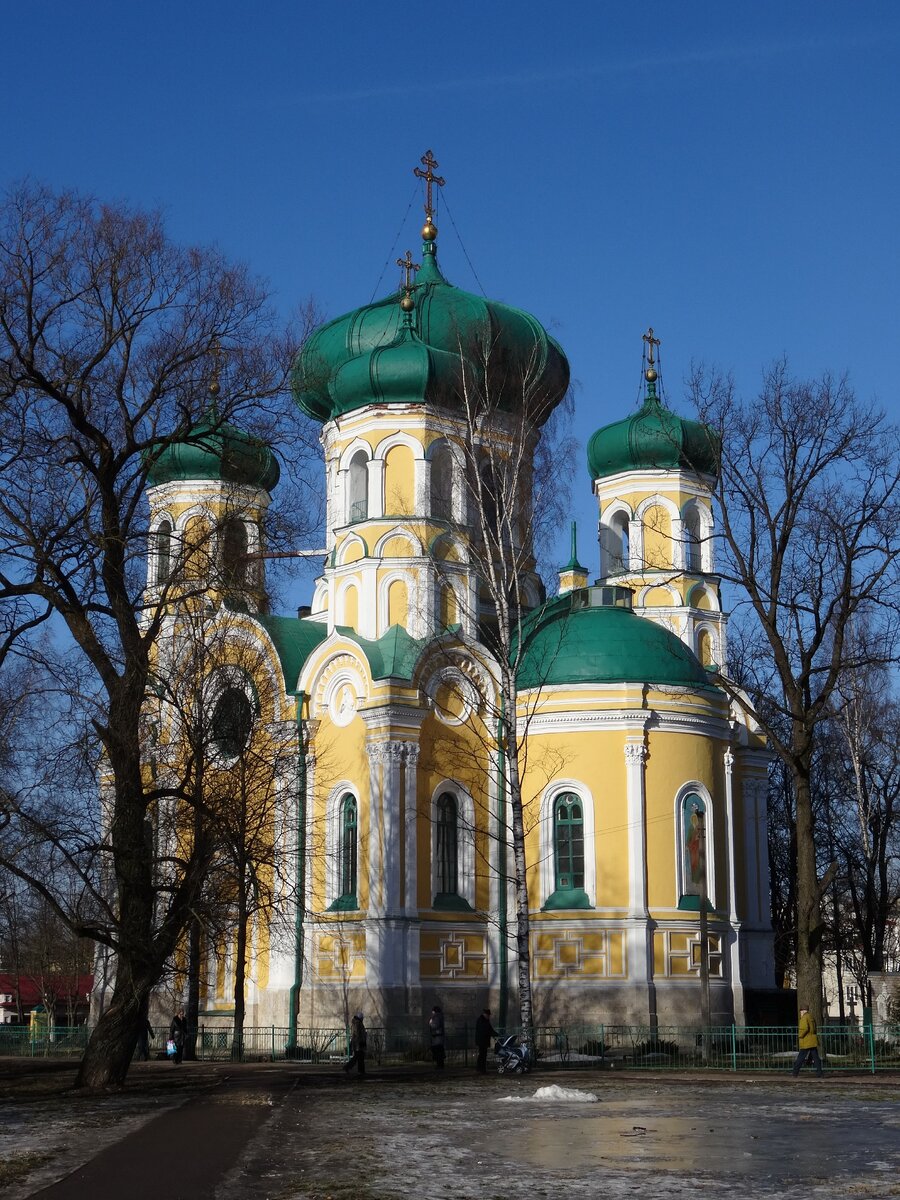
280 1131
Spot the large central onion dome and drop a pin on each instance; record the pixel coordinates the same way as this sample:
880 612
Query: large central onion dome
427 352
653 438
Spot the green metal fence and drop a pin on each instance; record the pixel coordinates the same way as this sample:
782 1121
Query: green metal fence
615 1047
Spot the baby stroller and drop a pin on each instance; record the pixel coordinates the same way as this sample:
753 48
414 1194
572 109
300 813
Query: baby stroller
512 1055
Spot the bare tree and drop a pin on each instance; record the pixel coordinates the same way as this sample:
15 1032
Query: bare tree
513 450
809 497
108 337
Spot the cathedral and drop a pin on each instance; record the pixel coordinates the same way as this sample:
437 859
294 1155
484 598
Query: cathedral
369 715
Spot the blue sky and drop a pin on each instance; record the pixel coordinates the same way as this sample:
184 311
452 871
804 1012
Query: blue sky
726 173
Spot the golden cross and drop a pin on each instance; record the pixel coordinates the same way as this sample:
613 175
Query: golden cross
429 176
651 342
408 266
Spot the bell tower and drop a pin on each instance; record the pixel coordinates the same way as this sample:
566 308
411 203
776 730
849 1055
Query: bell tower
653 476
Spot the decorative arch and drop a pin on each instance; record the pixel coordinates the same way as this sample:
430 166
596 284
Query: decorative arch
351 550
163 549
707 646
404 532
693 799
703 597
660 524
444 481
452 847
567 831
347 612
645 596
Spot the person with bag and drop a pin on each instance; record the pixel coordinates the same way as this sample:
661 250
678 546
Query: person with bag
358 1039
484 1032
808 1042
177 1036
436 1032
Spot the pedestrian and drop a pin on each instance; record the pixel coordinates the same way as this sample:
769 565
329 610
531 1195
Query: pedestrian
358 1039
178 1035
145 1037
808 1043
436 1031
484 1031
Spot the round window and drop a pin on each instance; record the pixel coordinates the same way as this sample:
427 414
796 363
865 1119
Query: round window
232 721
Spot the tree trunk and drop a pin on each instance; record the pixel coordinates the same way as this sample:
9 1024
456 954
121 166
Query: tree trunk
192 1008
240 969
523 915
809 918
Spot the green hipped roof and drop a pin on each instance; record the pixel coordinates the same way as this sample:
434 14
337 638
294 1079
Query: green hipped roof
654 437
294 641
214 450
380 355
572 641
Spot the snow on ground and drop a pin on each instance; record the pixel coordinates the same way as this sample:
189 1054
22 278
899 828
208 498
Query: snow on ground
554 1094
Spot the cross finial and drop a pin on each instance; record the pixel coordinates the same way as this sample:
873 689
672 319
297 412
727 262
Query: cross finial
651 342
430 162
407 266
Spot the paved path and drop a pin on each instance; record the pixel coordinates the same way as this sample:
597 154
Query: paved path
184 1153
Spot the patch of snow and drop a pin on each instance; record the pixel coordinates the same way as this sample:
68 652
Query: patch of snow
554 1094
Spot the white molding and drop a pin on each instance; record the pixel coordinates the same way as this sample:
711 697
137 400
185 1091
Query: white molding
690 787
547 847
465 839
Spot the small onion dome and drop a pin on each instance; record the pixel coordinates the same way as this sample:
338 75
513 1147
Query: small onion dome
379 355
581 638
217 451
653 438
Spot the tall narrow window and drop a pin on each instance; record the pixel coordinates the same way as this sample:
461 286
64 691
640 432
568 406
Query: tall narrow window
358 506
442 484
619 544
447 845
163 551
693 544
348 854
568 831
234 552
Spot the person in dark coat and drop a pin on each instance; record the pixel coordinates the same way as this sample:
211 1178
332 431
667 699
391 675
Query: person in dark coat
178 1035
808 1041
358 1039
484 1032
436 1032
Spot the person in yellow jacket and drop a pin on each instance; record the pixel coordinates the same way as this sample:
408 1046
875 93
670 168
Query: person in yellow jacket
808 1042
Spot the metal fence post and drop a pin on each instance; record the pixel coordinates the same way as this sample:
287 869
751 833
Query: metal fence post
870 1037
733 1049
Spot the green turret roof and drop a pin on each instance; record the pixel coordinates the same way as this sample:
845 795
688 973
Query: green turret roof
380 354
654 437
578 638
215 450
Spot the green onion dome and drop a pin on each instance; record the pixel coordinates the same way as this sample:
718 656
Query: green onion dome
214 450
388 354
591 636
654 437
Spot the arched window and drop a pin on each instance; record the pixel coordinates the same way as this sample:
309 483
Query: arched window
442 484
693 540
348 855
619 544
447 845
358 500
234 552
232 722
568 842
163 551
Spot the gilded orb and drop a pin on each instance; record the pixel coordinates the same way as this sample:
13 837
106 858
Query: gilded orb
429 231
407 303
650 375
214 388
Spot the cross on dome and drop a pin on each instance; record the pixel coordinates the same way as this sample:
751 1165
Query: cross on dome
651 342
430 178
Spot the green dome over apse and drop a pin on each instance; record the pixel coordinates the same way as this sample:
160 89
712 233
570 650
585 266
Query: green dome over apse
379 355
581 638
220 452
653 438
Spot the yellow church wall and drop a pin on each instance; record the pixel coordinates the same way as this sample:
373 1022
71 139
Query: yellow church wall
398 605
658 547
397 547
341 757
461 754
351 607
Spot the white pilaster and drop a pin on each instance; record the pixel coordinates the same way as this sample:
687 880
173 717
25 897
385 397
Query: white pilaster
376 487
376 875
635 755
410 814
